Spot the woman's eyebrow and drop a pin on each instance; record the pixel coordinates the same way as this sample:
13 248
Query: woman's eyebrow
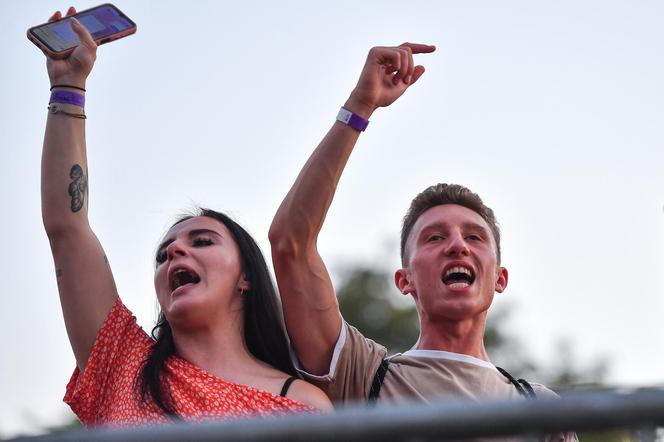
196 232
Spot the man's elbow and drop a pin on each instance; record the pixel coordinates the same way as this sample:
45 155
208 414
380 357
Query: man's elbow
285 243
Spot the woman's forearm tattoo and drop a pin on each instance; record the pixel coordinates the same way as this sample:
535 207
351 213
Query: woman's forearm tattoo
77 187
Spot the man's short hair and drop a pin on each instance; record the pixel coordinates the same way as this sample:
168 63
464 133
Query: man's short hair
440 194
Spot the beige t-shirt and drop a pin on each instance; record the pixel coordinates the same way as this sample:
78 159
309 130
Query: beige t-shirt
416 375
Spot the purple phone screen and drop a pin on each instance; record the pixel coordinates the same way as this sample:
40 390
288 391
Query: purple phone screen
101 22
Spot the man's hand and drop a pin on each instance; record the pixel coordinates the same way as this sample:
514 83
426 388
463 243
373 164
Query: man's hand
74 69
386 75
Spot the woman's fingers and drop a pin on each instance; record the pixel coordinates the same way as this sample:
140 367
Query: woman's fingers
83 34
56 16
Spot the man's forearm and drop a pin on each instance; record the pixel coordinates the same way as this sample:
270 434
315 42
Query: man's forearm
302 213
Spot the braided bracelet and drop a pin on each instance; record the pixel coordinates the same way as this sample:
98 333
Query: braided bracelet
55 109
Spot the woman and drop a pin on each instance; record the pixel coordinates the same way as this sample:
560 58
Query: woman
219 348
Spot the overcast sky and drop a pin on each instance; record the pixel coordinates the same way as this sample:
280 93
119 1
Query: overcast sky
551 111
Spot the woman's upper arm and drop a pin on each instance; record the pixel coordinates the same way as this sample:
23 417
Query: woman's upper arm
309 394
86 286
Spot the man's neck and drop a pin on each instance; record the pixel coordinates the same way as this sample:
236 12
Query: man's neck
464 337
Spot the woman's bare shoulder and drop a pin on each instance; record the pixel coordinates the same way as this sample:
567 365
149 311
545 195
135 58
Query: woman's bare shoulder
309 394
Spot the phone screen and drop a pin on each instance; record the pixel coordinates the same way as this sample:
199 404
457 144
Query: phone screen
101 22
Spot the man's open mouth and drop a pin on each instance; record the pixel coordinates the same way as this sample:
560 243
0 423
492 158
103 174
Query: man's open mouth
458 277
183 277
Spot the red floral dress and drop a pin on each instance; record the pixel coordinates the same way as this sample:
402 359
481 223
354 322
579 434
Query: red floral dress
105 393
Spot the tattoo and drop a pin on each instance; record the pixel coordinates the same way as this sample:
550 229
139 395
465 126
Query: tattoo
105 259
58 274
77 187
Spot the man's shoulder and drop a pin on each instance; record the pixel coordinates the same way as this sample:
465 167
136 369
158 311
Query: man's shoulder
543 392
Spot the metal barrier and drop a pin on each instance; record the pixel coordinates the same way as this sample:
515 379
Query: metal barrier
638 409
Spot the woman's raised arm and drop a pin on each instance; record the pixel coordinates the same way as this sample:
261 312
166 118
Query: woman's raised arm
85 282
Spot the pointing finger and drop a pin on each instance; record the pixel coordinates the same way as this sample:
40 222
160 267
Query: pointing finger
418 48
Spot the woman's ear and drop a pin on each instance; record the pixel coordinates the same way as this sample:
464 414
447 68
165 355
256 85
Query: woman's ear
243 284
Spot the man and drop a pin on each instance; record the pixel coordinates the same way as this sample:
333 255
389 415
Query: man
450 249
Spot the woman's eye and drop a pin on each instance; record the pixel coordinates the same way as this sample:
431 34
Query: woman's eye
201 242
161 256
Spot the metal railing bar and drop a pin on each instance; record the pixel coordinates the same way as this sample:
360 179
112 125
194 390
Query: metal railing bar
440 421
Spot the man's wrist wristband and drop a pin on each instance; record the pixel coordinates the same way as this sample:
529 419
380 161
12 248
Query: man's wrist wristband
353 120
67 97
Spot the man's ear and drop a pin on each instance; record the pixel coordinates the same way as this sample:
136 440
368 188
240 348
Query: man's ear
501 279
403 282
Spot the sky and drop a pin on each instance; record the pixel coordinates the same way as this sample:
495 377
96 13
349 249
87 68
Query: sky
551 111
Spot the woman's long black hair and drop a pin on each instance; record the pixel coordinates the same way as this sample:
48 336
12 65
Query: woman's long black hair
263 328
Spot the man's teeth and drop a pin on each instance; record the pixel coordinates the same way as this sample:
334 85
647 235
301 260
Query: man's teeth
458 285
458 269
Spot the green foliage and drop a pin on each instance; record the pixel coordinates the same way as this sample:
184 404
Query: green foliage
367 302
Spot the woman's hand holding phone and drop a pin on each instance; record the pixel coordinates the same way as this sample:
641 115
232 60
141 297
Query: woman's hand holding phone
74 69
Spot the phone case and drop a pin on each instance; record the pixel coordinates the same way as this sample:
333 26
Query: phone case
64 54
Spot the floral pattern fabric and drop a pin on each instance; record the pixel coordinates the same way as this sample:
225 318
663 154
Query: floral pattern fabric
105 393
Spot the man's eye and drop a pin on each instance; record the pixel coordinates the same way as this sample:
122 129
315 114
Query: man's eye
436 238
473 237
201 242
161 256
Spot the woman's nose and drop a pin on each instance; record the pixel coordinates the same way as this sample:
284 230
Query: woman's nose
176 248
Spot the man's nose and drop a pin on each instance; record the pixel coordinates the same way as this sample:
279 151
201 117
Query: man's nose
456 245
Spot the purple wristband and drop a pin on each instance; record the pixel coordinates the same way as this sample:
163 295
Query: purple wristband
67 97
353 120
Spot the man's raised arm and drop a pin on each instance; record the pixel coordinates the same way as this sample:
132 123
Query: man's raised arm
310 305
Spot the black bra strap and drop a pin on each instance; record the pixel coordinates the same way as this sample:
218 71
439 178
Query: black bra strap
286 386
377 382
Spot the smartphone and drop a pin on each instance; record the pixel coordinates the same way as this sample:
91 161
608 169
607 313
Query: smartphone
105 22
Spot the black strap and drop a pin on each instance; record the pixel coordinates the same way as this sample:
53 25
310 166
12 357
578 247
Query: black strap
286 386
377 382
528 388
521 385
